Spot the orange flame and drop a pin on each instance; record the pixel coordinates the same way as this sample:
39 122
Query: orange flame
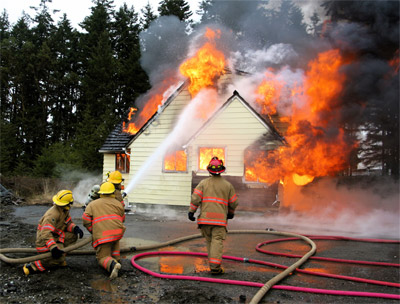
324 82
314 149
202 69
270 93
205 66
205 155
137 118
148 110
130 127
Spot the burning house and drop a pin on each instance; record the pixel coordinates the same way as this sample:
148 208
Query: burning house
167 156
279 127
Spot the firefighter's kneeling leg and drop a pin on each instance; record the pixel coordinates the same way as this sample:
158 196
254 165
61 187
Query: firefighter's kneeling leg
116 251
103 255
50 262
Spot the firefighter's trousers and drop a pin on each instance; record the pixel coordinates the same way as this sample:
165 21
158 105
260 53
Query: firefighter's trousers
108 252
215 236
44 264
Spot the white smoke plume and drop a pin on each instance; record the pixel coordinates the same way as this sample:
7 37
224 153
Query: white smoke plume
82 189
328 207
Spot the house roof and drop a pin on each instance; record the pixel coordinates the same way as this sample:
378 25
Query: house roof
118 140
264 120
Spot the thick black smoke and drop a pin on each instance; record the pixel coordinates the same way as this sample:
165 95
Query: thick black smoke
164 46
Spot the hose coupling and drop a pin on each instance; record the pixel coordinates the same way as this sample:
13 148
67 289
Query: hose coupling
270 229
246 260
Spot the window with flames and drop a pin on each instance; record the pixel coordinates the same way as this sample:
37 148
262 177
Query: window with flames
122 162
257 164
175 161
206 154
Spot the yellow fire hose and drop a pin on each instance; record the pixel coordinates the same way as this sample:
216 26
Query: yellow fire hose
72 251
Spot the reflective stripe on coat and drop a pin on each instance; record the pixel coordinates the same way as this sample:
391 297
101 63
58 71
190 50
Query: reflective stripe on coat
216 198
52 227
104 218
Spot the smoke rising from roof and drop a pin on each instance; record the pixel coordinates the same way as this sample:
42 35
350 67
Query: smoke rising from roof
164 46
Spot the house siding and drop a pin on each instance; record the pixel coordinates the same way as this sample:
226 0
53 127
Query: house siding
156 186
235 128
109 166
109 163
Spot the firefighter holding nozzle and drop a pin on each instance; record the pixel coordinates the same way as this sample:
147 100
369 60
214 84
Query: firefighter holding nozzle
55 231
217 200
104 218
116 179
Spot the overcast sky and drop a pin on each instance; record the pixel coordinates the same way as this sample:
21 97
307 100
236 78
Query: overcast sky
76 10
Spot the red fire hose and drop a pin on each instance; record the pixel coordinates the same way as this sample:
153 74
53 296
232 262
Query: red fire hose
315 237
284 287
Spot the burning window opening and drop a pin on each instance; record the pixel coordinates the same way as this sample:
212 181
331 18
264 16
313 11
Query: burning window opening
175 161
122 161
205 155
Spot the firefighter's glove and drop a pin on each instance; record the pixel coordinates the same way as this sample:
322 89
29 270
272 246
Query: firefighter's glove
56 253
78 231
230 216
191 216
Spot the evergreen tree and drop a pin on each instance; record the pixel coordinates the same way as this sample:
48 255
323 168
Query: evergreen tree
99 86
204 11
9 146
40 102
66 82
5 58
132 80
148 16
315 27
22 96
179 8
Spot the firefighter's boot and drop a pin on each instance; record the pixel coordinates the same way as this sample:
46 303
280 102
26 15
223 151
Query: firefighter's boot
114 268
63 264
217 271
28 269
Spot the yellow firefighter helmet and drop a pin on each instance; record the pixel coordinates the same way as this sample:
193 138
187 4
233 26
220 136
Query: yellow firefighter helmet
106 188
115 177
63 198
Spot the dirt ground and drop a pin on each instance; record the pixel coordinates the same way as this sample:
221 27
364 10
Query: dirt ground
83 281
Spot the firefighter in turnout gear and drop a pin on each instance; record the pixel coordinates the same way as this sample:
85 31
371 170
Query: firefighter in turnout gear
217 201
55 232
93 194
116 179
104 219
